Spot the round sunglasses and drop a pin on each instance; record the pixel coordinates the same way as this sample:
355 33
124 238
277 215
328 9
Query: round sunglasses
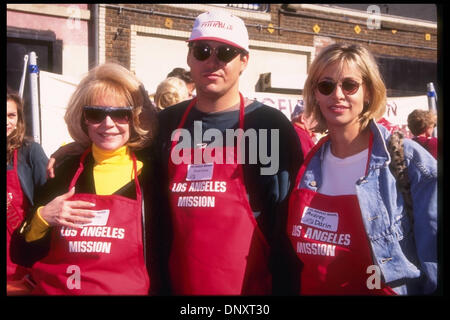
96 114
224 53
349 86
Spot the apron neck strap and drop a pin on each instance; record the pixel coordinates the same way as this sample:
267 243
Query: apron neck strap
136 181
81 168
310 154
15 157
318 146
192 104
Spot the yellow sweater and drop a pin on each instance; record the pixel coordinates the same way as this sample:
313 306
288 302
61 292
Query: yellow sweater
112 170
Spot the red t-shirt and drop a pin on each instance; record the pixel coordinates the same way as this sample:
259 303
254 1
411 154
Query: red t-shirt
429 143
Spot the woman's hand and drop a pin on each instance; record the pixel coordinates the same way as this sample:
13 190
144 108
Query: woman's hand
72 214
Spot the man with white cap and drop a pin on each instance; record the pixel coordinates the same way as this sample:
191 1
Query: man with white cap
220 217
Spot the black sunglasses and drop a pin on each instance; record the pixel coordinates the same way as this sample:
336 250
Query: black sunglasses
96 114
349 86
225 53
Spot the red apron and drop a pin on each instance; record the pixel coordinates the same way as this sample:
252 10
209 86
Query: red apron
16 205
105 257
328 236
218 248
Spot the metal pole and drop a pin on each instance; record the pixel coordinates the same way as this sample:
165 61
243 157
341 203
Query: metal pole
432 98
33 69
24 75
95 27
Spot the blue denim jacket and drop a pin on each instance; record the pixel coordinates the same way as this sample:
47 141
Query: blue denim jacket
407 259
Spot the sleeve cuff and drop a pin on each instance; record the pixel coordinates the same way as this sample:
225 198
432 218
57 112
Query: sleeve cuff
38 227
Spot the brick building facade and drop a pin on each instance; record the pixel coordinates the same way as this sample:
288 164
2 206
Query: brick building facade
150 40
392 39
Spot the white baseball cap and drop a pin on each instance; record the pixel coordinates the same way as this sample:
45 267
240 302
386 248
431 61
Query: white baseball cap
220 26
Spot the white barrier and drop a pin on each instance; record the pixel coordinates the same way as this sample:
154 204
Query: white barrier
55 92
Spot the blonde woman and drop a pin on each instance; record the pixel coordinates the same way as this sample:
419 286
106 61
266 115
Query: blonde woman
87 233
169 92
347 221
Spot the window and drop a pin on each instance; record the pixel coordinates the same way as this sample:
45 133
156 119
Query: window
260 7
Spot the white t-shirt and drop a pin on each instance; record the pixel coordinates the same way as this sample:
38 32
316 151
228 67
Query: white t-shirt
339 176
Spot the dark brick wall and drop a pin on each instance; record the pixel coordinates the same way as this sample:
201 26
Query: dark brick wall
118 31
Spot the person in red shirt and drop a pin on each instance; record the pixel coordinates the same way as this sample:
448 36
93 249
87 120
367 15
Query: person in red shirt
421 123
300 125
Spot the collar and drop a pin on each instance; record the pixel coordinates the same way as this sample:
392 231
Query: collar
110 157
380 155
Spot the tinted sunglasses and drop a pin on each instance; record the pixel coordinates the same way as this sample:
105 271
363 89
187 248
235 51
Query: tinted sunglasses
349 87
225 53
96 114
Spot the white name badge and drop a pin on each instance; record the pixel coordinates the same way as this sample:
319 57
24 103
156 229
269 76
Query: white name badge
320 219
100 219
197 172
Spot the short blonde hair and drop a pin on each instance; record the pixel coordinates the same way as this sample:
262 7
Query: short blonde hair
170 91
109 79
352 55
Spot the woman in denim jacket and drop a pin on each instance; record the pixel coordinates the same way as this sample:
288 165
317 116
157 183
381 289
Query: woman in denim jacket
347 220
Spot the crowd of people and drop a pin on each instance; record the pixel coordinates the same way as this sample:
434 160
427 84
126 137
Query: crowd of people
197 190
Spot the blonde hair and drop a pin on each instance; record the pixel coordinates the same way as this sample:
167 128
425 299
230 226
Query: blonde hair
170 91
351 55
109 79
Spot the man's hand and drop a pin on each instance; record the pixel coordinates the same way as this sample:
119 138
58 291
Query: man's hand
50 169
73 148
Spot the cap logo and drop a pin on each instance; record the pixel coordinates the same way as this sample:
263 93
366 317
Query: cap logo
216 24
222 27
